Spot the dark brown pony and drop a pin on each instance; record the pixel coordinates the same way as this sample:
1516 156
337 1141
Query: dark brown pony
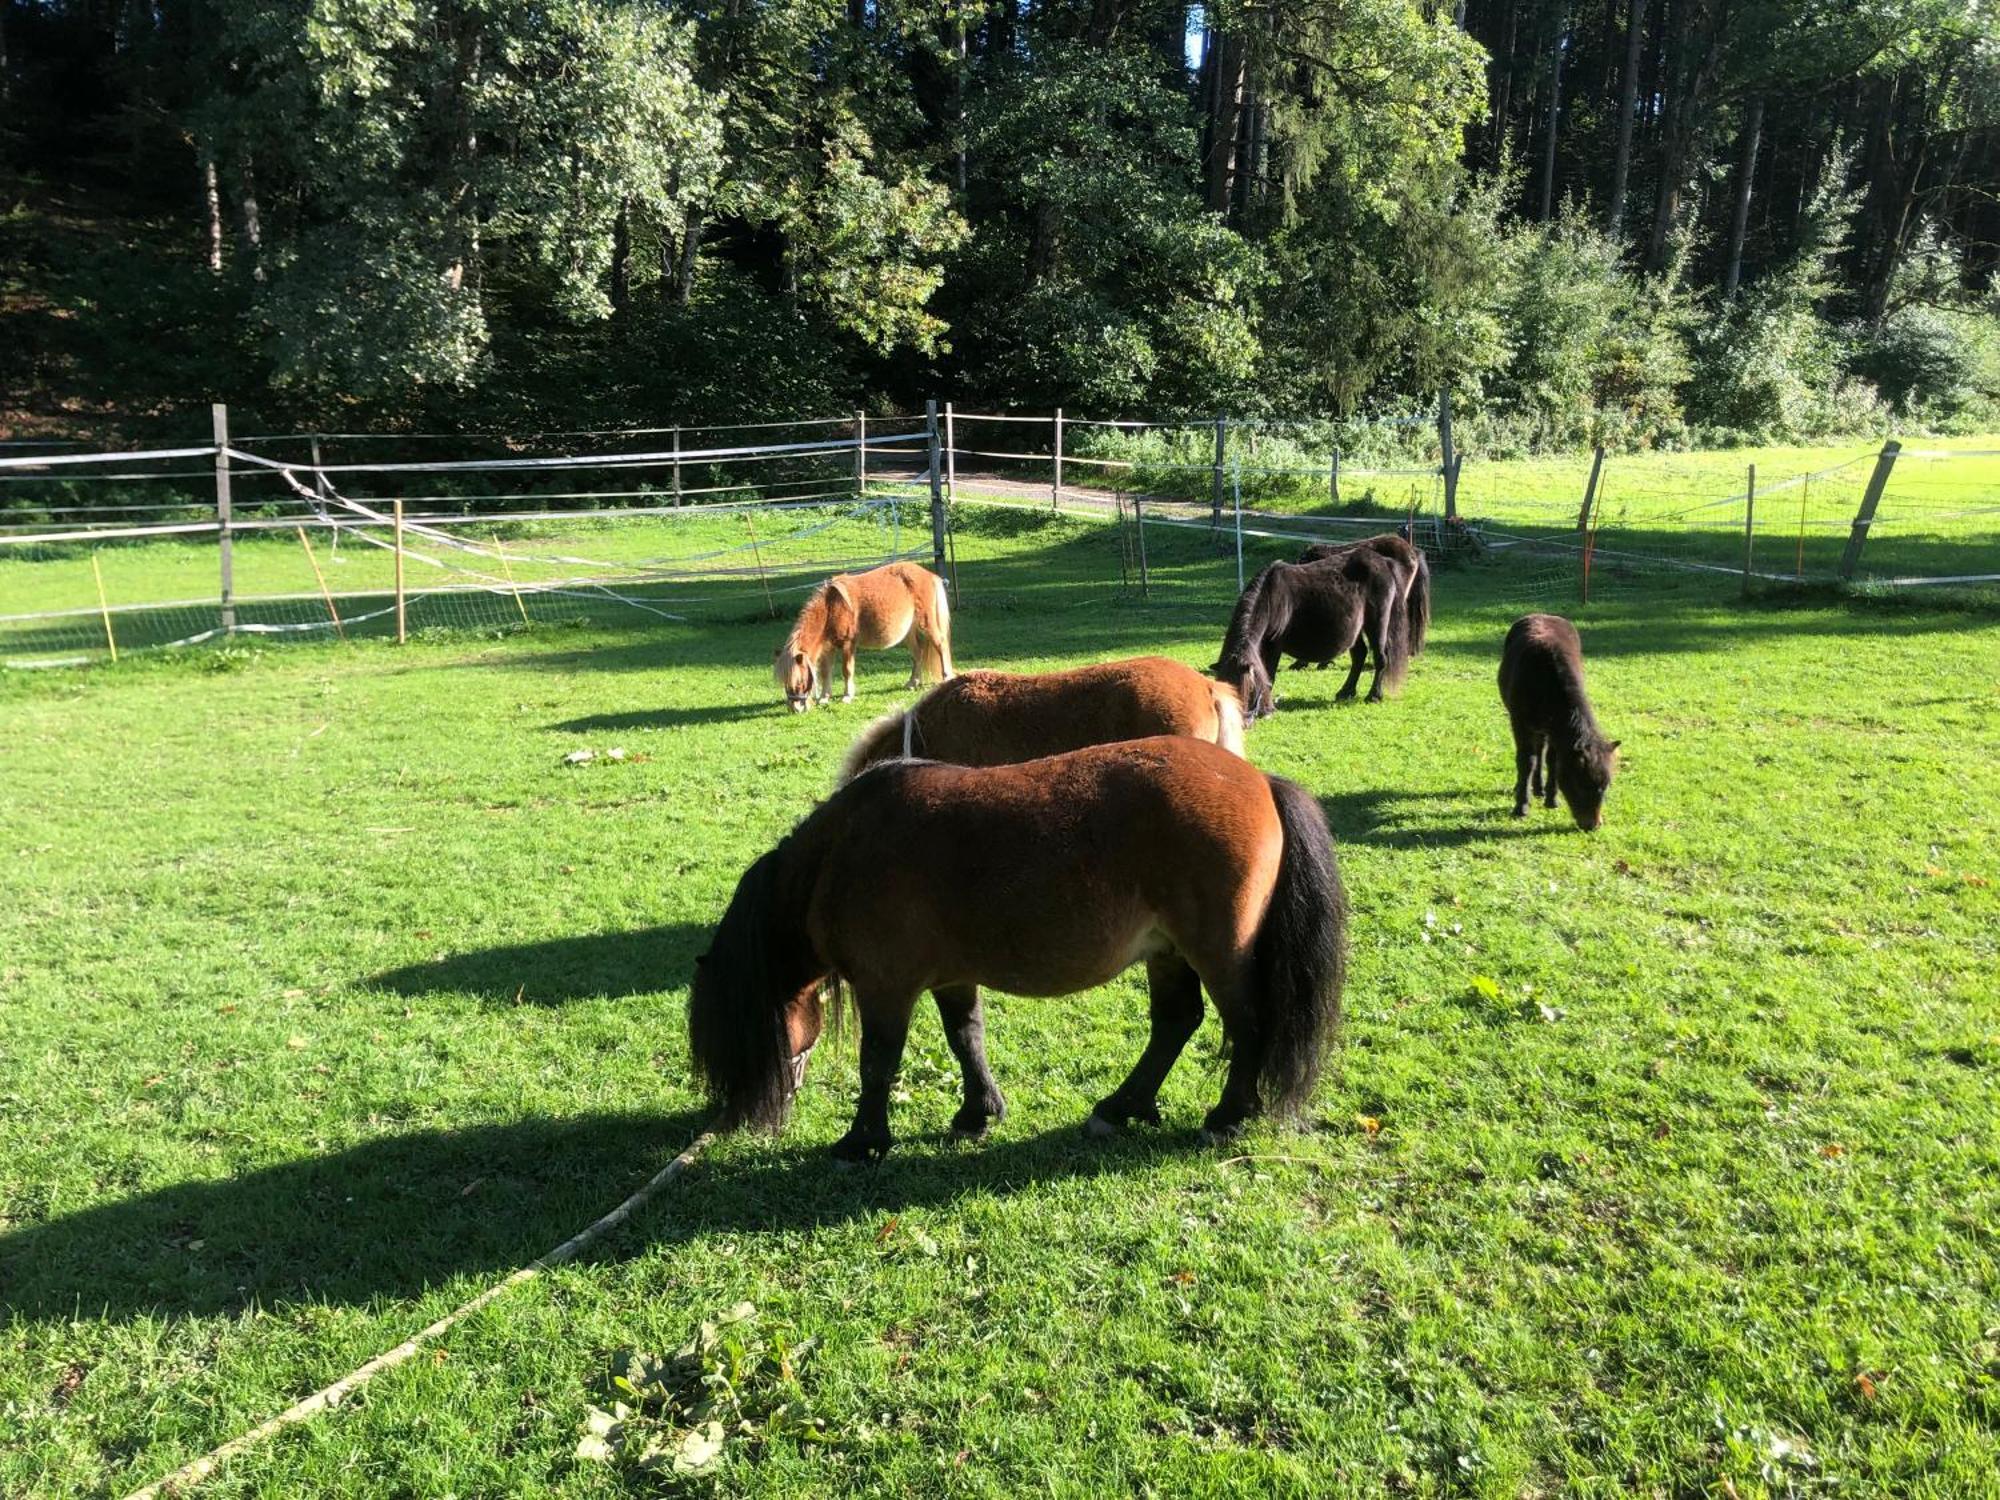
999 718
1040 879
1416 589
877 609
1313 612
1556 738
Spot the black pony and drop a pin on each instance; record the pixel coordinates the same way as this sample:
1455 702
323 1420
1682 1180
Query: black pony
1400 549
1556 738
1313 612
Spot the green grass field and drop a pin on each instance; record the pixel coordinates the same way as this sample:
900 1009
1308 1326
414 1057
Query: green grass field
1661 1161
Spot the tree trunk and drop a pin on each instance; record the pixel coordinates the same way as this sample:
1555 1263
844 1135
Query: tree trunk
253 221
1503 84
1628 105
1746 173
690 252
1555 119
621 258
211 197
1227 123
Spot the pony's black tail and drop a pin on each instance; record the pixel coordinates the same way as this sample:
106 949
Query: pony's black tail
1395 644
737 1031
1301 954
1417 606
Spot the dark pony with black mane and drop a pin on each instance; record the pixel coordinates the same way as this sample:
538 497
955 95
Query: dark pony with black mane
1556 738
1044 878
1313 612
1398 548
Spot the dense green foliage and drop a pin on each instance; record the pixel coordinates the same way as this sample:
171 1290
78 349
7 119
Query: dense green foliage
1651 222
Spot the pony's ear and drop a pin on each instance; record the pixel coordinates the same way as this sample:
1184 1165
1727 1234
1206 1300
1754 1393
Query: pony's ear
1614 744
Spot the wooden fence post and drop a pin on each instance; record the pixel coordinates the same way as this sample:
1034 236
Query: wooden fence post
219 414
320 488
861 454
1749 525
1055 485
1333 477
937 487
1447 455
1237 476
1221 448
320 578
402 632
1590 491
1870 498
677 463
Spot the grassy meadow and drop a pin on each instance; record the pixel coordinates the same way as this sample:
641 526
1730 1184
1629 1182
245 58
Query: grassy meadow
1661 1161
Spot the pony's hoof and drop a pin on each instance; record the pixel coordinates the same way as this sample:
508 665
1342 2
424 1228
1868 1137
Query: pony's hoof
1521 811
855 1150
1211 1136
1098 1126
974 1120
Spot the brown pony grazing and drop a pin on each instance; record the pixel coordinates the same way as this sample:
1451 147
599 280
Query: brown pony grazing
1040 879
1313 612
999 718
1556 738
1416 591
876 609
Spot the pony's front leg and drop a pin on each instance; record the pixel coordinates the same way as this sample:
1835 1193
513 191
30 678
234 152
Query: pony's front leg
1176 1008
965 1033
1547 770
847 671
1527 770
885 1026
1357 658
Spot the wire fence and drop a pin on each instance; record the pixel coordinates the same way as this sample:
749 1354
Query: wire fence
302 536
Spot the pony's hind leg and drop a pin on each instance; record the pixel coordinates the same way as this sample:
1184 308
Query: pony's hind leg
885 1026
965 1032
1548 774
1240 1100
1176 1008
1357 658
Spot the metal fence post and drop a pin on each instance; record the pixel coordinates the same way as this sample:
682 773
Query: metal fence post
950 457
861 454
1590 491
1055 485
937 487
1749 525
1139 529
677 463
219 414
1870 498
1237 476
1221 448
402 633
1447 455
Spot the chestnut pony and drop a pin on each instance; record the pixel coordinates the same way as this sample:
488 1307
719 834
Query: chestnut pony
1313 612
998 718
1416 587
876 609
1040 879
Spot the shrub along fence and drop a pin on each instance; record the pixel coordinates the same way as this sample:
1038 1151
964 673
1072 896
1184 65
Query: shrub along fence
316 535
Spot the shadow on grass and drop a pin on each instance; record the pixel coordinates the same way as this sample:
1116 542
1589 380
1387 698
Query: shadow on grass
605 965
396 1217
673 718
1394 820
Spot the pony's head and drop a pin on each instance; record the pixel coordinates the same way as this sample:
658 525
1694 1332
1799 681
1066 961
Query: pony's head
797 674
1583 773
1245 673
754 1009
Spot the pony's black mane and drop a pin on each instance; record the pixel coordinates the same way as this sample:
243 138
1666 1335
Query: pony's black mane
1250 621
